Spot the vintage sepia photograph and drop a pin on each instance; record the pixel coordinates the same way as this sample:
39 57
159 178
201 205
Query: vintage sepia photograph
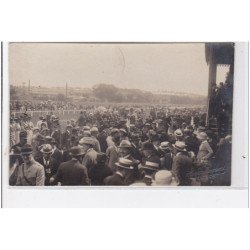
120 114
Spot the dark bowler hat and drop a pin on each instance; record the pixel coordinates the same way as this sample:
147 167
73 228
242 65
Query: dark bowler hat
77 151
26 149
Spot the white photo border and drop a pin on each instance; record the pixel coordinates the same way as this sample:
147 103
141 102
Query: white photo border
234 196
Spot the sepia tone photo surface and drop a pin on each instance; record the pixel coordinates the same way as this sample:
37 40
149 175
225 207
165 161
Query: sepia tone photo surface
120 114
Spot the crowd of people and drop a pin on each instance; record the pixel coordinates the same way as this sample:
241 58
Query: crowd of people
119 146
42 105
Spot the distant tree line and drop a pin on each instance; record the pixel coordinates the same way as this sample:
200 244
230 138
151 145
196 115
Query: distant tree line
110 93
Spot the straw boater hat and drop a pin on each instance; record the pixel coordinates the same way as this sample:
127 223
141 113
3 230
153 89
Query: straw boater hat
180 146
164 178
202 136
165 145
77 151
87 141
151 165
125 144
124 163
178 133
94 129
46 149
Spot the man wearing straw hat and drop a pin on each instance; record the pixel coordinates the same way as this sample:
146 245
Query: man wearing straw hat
166 155
48 162
182 164
124 170
164 178
149 169
124 151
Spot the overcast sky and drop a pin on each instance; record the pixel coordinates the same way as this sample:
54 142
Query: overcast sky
172 67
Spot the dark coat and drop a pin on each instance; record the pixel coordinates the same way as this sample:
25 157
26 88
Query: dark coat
98 173
181 168
167 161
102 140
50 169
57 155
114 180
192 144
72 173
66 140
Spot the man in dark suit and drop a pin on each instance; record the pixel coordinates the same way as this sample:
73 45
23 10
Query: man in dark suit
124 170
72 172
166 155
124 151
56 153
182 164
99 171
48 162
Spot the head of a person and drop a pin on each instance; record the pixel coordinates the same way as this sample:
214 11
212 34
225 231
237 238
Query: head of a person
151 134
125 166
47 151
156 140
87 143
69 128
123 132
202 136
115 134
73 122
147 149
164 178
149 168
77 152
101 158
124 148
26 153
23 137
94 132
43 126
178 135
179 146
165 147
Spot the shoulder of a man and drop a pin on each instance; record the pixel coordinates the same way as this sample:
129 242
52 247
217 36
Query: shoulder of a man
37 165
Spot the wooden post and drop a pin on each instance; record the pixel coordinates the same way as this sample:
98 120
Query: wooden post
211 81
